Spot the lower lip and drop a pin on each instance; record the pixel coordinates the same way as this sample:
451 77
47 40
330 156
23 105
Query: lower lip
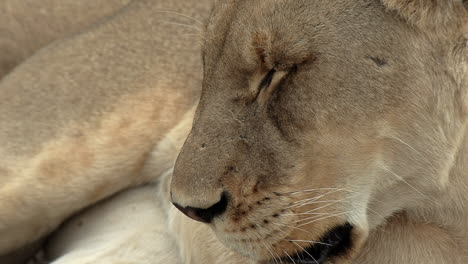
337 242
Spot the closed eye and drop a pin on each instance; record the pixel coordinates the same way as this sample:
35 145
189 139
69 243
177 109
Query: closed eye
267 80
269 84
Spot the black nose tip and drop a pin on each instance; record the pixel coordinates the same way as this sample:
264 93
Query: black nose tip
205 215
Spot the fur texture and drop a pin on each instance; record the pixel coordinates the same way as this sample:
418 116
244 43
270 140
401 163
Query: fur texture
28 25
318 114
159 233
79 119
362 120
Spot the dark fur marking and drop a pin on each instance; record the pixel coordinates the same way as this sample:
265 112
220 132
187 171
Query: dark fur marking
379 61
255 188
243 137
230 169
340 240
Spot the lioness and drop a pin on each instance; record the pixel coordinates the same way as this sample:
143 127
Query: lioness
320 120
334 146
80 118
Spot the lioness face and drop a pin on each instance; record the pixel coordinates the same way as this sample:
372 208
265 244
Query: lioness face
312 114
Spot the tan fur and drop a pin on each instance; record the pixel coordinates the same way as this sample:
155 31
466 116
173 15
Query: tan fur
28 25
375 109
365 116
80 118
159 233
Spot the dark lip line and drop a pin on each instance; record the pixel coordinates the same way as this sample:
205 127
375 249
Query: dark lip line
337 242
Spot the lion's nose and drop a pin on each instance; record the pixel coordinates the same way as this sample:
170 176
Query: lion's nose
205 215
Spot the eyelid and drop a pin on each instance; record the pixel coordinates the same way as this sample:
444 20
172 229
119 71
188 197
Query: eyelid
270 84
267 80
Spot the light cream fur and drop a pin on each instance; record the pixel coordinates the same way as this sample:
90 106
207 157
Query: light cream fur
140 226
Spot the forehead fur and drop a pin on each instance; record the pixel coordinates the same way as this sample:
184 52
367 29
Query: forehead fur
439 14
256 32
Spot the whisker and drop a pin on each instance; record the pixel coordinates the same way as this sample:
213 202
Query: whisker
311 190
303 202
184 25
266 246
270 251
294 214
319 196
293 227
327 205
304 241
407 183
311 241
345 190
312 217
323 218
375 212
289 256
413 149
303 250
311 202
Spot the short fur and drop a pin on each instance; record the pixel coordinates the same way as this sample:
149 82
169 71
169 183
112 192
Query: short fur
362 101
361 115
26 26
79 119
160 233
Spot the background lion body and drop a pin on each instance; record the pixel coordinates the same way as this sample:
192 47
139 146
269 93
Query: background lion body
108 109
80 118
28 25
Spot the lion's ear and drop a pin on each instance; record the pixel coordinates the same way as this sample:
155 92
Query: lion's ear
431 13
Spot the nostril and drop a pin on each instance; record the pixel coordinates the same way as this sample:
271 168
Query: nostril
205 215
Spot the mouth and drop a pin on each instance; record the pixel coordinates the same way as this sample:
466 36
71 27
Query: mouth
336 243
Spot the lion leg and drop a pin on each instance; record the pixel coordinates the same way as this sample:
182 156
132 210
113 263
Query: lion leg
402 240
80 119
71 185
141 226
